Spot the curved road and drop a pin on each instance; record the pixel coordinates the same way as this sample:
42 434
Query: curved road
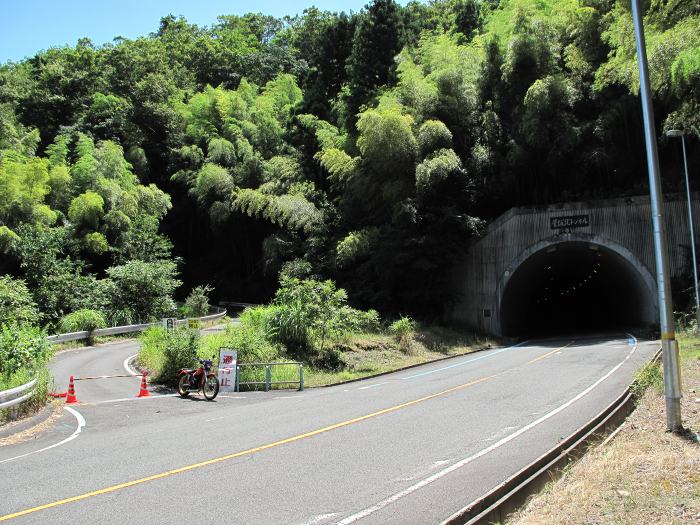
410 447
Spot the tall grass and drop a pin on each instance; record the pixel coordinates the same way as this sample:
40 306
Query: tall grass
165 352
250 343
403 330
649 376
278 373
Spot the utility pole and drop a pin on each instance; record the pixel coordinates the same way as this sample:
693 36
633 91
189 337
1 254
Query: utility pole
672 374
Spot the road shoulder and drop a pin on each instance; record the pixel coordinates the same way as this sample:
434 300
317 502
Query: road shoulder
26 429
643 475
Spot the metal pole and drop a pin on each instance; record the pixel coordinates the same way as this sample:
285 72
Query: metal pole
672 376
692 237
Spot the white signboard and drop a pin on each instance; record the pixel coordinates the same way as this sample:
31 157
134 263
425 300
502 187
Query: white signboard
228 359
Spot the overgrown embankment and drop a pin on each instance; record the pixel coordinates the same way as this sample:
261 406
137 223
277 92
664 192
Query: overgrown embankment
308 321
645 475
24 354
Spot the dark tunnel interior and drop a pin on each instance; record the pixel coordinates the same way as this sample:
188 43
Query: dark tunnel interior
574 287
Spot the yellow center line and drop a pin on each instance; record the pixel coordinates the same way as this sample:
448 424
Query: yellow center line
545 356
247 452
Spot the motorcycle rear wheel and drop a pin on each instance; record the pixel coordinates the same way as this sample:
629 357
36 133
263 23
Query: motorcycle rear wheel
183 385
211 388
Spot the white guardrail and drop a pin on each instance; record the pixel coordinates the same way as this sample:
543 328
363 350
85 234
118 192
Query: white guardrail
116 330
15 396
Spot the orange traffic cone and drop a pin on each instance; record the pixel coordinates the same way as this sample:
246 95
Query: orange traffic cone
70 398
144 388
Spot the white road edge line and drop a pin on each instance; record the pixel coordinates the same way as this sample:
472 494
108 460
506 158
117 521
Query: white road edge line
76 432
128 368
373 385
413 488
320 518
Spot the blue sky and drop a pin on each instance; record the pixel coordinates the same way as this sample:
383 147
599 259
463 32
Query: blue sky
27 26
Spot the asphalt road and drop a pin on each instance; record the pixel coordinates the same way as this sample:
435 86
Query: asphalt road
410 447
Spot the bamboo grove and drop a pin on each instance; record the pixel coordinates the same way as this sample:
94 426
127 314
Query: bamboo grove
363 147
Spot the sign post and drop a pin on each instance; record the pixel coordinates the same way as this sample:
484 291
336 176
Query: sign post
169 323
228 359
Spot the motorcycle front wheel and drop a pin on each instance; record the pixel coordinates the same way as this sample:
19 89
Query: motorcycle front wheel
183 385
211 387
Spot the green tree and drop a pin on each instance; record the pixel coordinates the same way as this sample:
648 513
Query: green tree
197 302
16 304
141 291
371 63
87 210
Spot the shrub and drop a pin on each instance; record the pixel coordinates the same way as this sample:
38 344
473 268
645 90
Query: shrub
252 347
686 322
21 347
56 281
84 319
296 268
141 291
308 313
330 359
403 331
250 343
259 318
165 352
180 352
16 304
152 351
197 303
297 305
357 321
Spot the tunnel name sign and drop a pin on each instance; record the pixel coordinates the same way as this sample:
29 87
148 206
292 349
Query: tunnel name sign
571 221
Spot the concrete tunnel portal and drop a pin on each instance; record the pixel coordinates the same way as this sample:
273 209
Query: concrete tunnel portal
576 287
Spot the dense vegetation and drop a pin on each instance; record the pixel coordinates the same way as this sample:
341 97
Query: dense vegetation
308 321
305 321
24 351
366 148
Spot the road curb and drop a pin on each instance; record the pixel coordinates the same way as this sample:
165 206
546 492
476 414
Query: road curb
500 502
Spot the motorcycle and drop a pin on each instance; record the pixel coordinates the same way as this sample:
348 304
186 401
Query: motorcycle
202 378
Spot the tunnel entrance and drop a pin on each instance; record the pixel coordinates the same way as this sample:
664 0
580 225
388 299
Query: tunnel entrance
575 287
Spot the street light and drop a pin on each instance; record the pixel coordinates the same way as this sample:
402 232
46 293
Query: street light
680 133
